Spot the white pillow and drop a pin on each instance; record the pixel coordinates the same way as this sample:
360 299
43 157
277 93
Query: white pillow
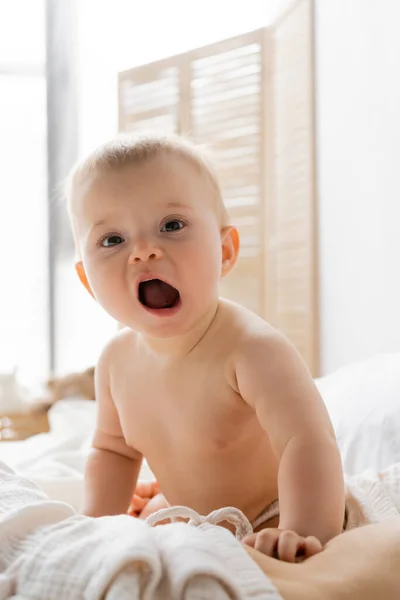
363 400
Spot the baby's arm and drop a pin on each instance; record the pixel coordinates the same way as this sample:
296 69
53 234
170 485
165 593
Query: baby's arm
113 466
272 377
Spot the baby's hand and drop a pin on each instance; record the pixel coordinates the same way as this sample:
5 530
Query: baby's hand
147 500
283 544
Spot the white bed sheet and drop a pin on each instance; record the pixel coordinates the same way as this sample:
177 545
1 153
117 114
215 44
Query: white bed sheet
363 400
56 460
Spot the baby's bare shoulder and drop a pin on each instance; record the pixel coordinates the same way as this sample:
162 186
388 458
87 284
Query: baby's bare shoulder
120 346
247 339
246 328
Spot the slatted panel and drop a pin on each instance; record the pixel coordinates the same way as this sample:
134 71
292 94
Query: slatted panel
294 248
225 116
249 99
149 99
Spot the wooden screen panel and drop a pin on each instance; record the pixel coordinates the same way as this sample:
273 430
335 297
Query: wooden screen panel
293 250
249 99
225 81
213 96
149 99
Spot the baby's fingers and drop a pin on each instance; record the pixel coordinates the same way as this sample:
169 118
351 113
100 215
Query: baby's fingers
294 548
284 545
311 546
250 539
289 544
137 505
264 541
147 489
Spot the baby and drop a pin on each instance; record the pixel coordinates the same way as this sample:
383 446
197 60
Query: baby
219 403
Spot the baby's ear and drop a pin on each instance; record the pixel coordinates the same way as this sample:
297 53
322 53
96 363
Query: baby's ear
230 248
80 269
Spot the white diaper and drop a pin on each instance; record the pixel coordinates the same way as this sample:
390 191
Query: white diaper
270 512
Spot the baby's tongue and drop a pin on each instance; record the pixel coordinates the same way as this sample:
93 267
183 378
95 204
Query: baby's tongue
157 294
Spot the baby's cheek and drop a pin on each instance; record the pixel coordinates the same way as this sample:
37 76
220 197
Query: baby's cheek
112 296
206 269
105 279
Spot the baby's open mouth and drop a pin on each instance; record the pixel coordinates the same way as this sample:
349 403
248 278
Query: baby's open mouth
157 294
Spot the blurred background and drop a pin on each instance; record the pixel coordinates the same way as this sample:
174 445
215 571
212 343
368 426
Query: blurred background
300 101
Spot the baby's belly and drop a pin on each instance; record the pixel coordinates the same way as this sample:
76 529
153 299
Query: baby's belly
207 481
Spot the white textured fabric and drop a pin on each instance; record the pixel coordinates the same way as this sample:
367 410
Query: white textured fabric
49 552
373 496
56 460
229 514
363 401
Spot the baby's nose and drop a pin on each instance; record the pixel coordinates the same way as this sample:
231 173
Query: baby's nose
144 251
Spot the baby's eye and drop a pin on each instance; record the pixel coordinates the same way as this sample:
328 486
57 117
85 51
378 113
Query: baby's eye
172 225
111 240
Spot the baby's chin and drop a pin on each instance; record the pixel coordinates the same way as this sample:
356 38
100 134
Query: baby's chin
162 328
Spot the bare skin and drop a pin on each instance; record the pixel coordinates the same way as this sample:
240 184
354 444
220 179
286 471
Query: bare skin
208 446
362 564
219 403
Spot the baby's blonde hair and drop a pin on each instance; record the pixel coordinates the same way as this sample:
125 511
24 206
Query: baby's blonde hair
135 150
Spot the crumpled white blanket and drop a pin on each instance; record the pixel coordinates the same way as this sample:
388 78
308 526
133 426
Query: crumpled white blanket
373 496
48 552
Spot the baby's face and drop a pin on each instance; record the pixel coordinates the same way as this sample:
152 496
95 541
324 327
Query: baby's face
150 241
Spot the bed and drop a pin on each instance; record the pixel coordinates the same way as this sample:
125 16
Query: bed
43 541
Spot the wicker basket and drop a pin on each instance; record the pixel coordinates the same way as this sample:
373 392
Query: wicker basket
15 427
